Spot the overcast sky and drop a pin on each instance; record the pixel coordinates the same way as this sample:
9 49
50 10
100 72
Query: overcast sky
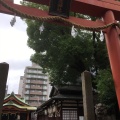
14 49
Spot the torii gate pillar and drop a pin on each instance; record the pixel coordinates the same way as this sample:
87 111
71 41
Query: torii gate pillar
113 47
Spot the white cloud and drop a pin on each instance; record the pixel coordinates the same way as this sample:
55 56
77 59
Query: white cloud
13 44
14 49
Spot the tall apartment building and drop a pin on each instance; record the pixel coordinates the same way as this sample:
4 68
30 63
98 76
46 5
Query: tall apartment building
34 85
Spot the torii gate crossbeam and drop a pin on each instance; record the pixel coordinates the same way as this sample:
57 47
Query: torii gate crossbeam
109 10
96 8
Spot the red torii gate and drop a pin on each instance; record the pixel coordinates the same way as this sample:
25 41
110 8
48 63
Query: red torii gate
109 10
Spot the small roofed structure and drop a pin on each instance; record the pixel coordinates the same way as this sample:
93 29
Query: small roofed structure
65 103
15 108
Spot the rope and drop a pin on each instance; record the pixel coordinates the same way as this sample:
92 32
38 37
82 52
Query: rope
19 13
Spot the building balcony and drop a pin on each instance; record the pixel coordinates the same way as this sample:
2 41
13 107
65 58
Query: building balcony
27 93
35 98
35 104
36 92
27 86
36 87
37 82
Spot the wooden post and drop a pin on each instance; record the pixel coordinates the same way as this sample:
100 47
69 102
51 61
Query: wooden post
113 47
88 105
28 118
3 79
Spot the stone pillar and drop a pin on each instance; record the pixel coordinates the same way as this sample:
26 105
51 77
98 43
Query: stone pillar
88 105
3 79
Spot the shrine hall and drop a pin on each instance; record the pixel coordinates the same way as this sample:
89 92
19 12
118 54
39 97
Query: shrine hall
15 108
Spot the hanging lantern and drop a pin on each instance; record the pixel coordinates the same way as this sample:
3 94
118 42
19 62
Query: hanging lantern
60 8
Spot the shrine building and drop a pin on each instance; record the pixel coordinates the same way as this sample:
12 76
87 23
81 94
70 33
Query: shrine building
15 108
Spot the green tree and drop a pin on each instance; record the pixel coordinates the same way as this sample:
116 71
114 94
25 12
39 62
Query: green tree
106 89
65 57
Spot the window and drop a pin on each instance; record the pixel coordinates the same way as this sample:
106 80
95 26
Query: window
26 97
27 92
27 81
69 115
27 86
44 98
81 117
44 87
39 71
45 82
44 93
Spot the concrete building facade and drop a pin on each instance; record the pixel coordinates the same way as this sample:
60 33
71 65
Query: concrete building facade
34 85
20 90
6 90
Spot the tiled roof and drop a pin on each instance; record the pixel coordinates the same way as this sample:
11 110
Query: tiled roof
11 103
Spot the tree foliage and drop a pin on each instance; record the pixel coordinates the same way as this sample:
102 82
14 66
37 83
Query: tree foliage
105 86
65 57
